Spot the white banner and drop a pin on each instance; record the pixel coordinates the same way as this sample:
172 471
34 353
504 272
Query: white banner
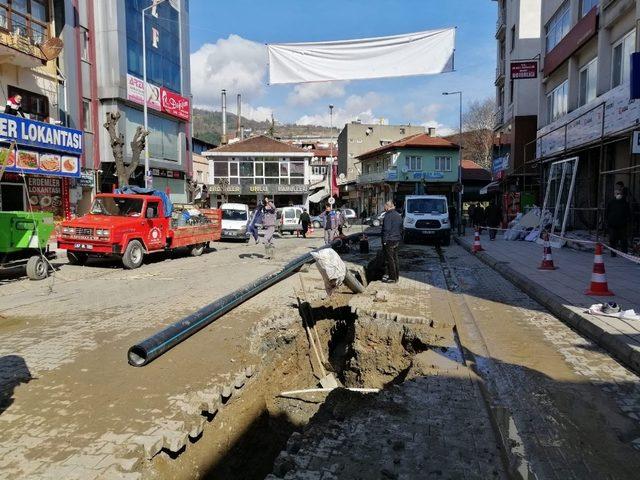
422 53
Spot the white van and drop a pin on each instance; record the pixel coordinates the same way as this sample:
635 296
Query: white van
235 220
288 218
426 216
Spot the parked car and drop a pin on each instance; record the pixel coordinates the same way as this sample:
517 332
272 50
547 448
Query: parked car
288 218
235 219
316 221
350 215
375 220
427 216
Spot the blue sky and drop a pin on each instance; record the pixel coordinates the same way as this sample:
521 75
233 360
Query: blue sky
227 45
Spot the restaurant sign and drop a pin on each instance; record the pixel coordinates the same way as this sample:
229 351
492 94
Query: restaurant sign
40 134
253 189
158 98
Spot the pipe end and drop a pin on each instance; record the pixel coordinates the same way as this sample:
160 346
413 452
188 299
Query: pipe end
137 356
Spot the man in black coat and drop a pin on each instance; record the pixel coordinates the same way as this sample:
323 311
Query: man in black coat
618 217
391 236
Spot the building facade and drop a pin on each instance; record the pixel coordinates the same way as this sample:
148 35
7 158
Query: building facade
585 110
248 170
518 49
415 165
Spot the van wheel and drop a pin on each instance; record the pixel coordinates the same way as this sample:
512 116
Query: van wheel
77 258
37 268
197 250
133 255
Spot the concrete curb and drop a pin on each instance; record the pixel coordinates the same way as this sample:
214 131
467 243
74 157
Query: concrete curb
587 326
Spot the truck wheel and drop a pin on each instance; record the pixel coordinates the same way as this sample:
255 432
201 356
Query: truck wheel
37 268
77 258
133 255
196 250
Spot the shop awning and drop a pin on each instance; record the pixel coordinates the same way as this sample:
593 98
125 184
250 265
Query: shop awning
490 188
319 196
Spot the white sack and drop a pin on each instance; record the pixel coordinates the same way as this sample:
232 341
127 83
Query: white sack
331 267
421 53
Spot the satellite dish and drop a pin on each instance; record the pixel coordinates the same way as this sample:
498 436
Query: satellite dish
405 169
342 176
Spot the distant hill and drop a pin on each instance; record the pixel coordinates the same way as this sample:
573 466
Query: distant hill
207 126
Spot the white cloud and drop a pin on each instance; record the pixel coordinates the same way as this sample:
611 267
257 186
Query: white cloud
427 117
360 107
308 93
259 114
234 63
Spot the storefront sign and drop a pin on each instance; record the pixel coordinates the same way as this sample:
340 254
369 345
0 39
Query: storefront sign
46 195
253 189
524 70
135 92
40 135
433 175
43 163
174 104
164 173
585 128
86 179
500 164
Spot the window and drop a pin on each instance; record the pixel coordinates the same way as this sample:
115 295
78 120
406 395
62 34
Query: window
86 115
586 6
284 169
511 88
246 169
28 18
297 169
220 169
413 163
513 37
152 209
557 101
84 44
558 26
34 105
588 80
443 164
271 169
621 61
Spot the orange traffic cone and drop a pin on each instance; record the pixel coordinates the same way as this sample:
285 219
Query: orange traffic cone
599 286
547 260
476 243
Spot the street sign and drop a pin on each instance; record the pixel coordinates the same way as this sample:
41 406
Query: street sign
524 70
331 201
635 148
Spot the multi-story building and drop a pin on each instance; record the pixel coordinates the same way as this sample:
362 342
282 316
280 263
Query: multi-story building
417 164
518 48
357 138
585 110
248 170
118 38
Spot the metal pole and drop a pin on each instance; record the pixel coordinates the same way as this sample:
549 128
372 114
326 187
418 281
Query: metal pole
144 104
331 153
460 172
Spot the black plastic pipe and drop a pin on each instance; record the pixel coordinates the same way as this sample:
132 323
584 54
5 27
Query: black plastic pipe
152 347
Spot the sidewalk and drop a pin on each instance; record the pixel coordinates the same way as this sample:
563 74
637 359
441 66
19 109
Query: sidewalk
562 290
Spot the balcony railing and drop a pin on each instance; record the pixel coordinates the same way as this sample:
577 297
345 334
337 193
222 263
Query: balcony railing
499 116
500 71
24 32
374 177
501 24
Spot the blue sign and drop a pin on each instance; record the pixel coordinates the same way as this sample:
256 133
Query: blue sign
417 175
433 175
499 164
40 135
392 175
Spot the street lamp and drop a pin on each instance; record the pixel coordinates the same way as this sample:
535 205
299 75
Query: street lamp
331 154
145 108
459 163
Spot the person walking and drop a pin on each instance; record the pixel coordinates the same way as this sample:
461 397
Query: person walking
479 217
269 220
391 236
618 216
329 223
305 220
253 225
364 215
493 215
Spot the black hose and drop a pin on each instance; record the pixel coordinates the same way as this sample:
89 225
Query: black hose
152 347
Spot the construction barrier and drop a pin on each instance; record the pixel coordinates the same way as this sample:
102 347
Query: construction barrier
547 259
599 286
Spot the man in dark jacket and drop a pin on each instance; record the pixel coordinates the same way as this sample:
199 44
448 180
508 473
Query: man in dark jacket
493 215
305 220
391 236
618 216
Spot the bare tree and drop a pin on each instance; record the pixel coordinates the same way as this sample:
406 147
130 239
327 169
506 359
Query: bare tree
138 144
477 132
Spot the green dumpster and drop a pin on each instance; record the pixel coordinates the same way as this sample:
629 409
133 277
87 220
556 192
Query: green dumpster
23 241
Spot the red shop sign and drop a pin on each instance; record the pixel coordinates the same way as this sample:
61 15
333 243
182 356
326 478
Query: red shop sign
174 104
520 70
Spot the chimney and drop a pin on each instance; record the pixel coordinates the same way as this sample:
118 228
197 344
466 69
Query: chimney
239 122
224 140
432 132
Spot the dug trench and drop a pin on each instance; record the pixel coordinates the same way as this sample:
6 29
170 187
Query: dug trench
361 347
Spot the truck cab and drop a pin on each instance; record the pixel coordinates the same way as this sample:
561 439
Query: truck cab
425 217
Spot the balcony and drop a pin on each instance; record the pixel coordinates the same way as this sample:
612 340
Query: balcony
499 117
501 25
375 177
20 39
500 72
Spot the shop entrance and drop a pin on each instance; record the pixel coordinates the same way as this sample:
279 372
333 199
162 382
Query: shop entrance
12 197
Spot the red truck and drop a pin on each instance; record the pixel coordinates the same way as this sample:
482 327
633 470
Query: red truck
130 226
